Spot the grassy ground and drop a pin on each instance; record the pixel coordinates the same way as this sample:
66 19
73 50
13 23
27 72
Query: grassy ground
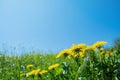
80 62
10 66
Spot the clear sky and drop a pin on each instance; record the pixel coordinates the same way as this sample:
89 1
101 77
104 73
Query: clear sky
52 25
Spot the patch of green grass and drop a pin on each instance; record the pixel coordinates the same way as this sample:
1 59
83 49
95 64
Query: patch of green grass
80 62
11 66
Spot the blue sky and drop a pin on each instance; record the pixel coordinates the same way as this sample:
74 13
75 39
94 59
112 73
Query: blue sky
52 25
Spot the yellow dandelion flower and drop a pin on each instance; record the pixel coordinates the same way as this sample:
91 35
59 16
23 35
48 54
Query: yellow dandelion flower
29 66
75 55
77 48
102 49
33 72
69 57
43 71
82 45
99 44
102 53
105 53
82 54
90 48
37 71
65 53
30 73
53 66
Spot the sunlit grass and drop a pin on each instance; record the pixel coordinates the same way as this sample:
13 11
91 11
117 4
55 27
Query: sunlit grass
79 62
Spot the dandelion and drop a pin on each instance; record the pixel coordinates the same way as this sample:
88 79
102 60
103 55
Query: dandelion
102 49
99 44
91 48
82 54
77 48
104 52
33 72
37 71
74 54
53 66
82 45
43 71
29 66
69 57
65 53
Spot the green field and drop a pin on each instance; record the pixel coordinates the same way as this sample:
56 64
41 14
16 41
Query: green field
79 62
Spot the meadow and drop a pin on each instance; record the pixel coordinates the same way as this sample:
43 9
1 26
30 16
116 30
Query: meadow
79 62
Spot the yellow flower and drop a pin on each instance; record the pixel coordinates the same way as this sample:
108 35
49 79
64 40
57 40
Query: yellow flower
69 57
74 55
37 71
43 71
82 53
77 48
29 66
53 66
30 73
99 44
102 51
105 53
82 45
65 52
90 48
33 72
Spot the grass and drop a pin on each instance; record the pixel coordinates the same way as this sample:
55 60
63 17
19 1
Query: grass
80 62
10 66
